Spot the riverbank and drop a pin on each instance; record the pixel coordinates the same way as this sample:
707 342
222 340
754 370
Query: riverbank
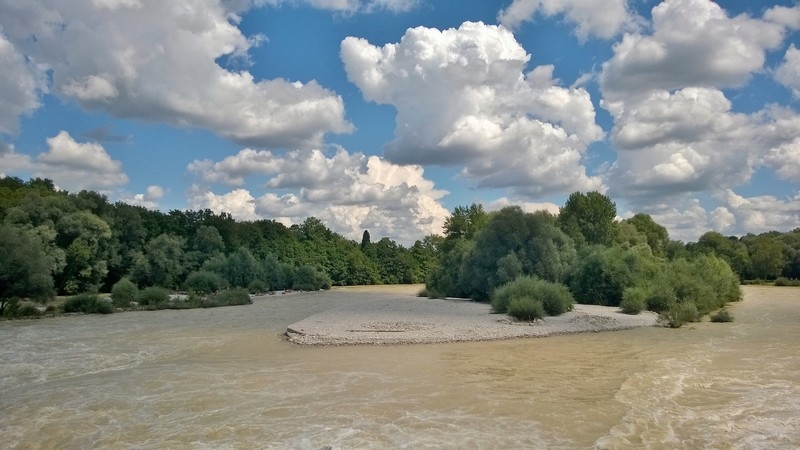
397 316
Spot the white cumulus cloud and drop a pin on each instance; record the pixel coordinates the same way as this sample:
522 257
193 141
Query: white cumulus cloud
693 43
156 61
20 84
75 165
788 73
601 18
149 199
348 192
463 98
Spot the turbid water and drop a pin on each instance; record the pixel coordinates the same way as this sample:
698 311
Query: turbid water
224 378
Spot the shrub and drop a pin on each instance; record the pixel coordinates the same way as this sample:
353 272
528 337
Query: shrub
502 296
525 308
256 287
28 310
554 298
660 298
88 304
307 278
153 296
227 297
783 281
123 293
679 314
723 315
634 300
203 282
14 308
603 273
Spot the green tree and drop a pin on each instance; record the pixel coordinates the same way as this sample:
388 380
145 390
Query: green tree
203 282
365 241
241 268
464 223
731 249
602 274
208 242
533 238
791 253
87 241
588 218
766 257
657 235
124 292
163 262
25 269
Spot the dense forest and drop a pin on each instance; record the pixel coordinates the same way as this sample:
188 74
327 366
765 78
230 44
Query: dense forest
56 242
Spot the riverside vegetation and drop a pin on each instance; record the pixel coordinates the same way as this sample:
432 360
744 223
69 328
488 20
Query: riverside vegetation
77 245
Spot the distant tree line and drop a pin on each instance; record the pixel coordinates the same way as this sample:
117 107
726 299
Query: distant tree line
56 242
630 263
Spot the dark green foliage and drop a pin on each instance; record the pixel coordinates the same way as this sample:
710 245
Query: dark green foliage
203 282
588 218
634 300
602 274
15 308
153 296
656 235
705 282
25 268
447 279
87 303
256 287
514 243
783 281
679 314
509 268
525 308
723 315
123 293
465 222
661 297
553 298
227 297
556 298
766 256
307 278
730 249
28 310
241 268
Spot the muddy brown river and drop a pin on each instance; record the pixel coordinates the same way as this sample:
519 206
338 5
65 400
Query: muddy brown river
225 379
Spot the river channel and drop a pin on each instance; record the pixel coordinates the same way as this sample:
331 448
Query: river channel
225 378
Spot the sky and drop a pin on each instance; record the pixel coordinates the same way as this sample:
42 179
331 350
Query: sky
385 115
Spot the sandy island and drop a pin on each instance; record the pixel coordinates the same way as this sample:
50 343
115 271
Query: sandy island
397 316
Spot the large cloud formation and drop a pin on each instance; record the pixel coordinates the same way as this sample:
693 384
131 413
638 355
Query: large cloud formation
677 134
348 192
462 98
72 165
157 62
601 18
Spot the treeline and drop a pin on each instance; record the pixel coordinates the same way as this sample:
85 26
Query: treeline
53 241
583 254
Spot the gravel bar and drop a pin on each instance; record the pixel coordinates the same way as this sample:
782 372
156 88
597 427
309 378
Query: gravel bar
402 319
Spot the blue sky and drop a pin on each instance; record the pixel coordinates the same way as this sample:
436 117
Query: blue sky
386 114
